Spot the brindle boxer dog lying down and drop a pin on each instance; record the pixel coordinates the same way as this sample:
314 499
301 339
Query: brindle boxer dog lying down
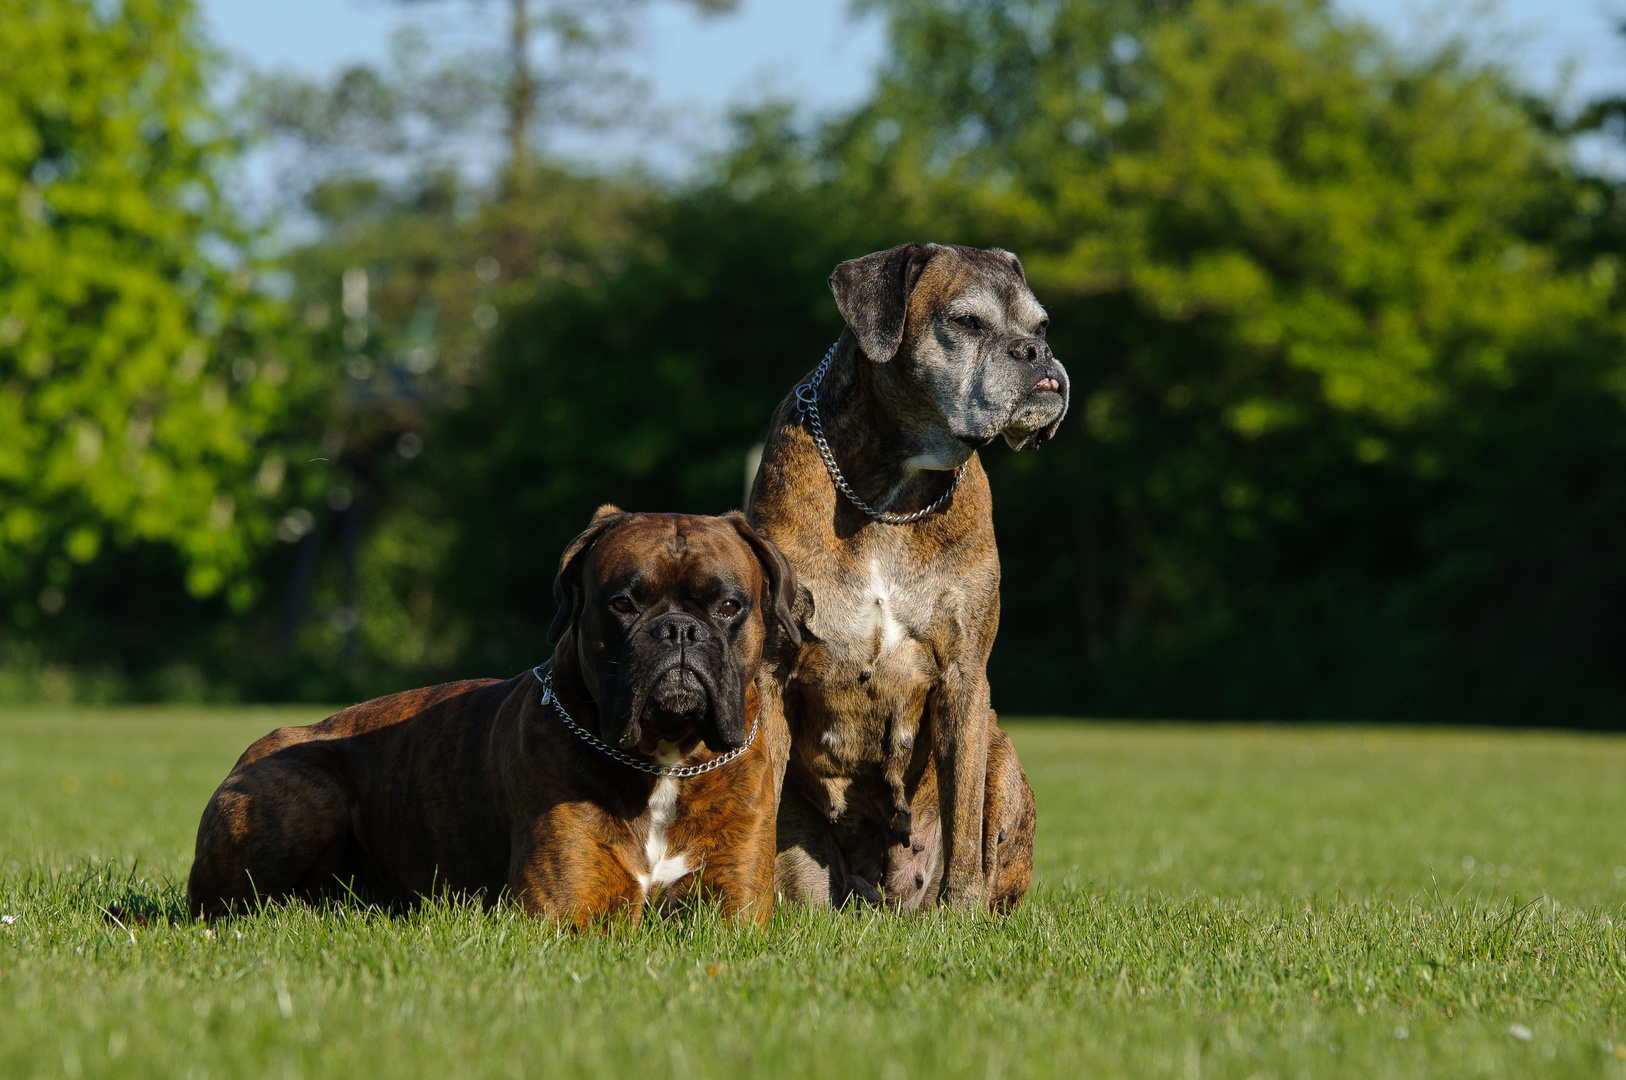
641 778
897 774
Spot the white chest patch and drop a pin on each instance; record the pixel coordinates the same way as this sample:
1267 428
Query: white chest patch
883 619
664 866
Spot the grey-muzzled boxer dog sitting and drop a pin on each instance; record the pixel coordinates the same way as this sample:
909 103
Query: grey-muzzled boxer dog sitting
871 486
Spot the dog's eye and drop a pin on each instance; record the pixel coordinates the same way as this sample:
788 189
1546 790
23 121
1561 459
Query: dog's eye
969 322
623 604
728 608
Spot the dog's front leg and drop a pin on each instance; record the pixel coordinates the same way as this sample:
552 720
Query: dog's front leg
728 832
565 868
772 714
742 880
959 716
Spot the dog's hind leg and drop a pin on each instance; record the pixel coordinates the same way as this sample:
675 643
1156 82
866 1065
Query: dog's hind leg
1008 822
276 827
810 868
915 868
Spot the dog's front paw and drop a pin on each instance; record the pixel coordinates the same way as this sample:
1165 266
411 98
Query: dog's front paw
962 898
864 890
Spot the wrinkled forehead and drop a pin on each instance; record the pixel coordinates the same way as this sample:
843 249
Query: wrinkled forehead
672 552
983 282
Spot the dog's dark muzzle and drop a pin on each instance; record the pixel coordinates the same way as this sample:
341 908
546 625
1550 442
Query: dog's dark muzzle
1043 393
678 689
674 684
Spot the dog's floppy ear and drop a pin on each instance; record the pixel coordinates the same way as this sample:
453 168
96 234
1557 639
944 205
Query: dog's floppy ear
872 294
567 586
780 577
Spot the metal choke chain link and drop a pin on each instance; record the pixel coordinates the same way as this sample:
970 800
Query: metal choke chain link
807 398
678 771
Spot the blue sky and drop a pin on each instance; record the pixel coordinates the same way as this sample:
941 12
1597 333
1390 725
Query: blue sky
810 50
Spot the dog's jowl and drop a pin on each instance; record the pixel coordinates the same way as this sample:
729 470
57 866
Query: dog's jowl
633 767
898 778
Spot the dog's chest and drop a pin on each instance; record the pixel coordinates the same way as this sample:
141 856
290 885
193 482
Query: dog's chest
662 863
868 675
869 615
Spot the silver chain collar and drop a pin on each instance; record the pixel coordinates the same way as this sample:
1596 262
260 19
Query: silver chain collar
678 771
807 398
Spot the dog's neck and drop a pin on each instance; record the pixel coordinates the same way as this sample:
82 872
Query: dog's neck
571 690
576 694
889 441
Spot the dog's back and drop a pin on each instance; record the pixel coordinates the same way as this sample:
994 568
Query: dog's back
362 798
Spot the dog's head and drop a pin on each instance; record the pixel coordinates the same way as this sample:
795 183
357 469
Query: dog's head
667 616
960 327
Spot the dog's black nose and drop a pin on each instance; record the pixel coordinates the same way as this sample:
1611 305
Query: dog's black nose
679 629
1033 350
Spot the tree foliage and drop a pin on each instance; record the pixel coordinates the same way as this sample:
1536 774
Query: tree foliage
141 390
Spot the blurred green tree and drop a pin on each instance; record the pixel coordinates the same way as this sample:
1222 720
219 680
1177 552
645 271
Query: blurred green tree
422 235
143 388
549 72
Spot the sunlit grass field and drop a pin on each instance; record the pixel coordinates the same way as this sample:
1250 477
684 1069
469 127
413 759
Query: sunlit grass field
1231 901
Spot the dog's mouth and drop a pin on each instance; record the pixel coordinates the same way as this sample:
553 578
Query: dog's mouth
1035 415
1038 409
677 703
678 700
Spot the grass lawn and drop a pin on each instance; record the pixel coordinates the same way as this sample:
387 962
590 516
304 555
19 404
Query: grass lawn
1209 901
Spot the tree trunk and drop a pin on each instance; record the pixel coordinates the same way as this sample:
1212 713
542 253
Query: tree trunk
521 99
350 582
299 587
